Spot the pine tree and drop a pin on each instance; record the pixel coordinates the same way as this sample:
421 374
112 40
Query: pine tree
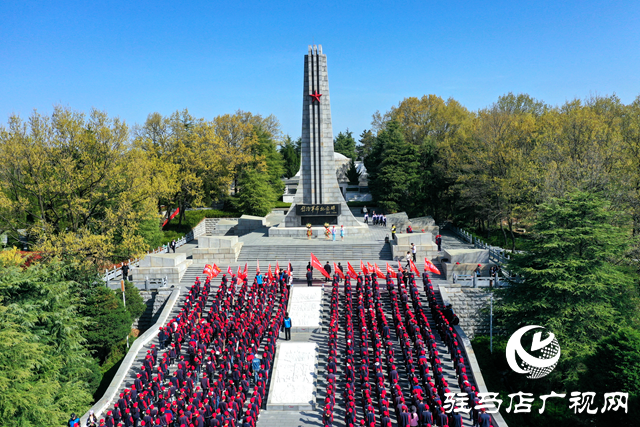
352 173
395 176
345 144
573 281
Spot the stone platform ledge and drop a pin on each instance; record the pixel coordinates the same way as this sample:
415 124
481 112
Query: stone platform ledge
295 374
301 232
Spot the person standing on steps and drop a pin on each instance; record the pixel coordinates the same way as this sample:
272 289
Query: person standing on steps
327 268
393 232
333 233
286 325
309 277
342 232
125 271
413 251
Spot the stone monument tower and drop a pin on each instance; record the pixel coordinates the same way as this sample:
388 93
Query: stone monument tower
318 199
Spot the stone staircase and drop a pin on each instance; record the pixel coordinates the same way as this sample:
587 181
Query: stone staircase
338 252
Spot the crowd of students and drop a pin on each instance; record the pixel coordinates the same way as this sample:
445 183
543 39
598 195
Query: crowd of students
212 367
371 361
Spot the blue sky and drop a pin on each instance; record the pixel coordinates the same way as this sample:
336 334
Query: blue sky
133 58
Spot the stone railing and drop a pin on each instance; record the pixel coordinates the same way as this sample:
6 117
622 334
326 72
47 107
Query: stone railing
206 226
116 384
496 254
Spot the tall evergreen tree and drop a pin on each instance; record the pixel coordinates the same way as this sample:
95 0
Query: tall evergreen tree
573 281
395 180
290 156
345 144
352 173
365 144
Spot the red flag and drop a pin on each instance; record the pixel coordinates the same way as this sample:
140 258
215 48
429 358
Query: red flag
244 273
229 271
277 270
413 267
429 266
207 270
370 268
269 273
215 270
315 263
378 271
400 267
351 271
391 271
338 271
363 268
289 269
239 272
257 266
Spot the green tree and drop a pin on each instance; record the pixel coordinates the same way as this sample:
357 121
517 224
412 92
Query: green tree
46 371
573 281
365 144
256 196
345 144
352 173
135 304
615 366
291 157
395 178
110 321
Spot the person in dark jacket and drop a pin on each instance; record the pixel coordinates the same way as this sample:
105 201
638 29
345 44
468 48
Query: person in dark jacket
327 268
309 277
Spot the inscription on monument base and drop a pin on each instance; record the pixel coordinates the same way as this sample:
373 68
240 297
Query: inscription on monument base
318 210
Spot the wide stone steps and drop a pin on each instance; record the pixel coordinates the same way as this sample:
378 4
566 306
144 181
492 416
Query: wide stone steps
331 253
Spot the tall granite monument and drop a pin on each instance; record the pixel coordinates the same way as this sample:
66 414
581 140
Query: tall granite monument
318 199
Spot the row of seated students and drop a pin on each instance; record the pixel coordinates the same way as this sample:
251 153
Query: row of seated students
371 361
207 370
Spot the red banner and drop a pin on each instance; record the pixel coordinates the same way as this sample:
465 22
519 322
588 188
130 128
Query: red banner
363 268
390 270
229 271
370 268
351 271
208 270
400 267
257 266
429 266
338 271
378 271
413 267
315 263
277 270
215 270
269 273
289 269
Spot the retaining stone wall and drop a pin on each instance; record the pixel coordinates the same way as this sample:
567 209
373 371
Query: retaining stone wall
472 307
155 302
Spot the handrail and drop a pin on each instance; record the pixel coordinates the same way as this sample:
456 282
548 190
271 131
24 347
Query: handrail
496 254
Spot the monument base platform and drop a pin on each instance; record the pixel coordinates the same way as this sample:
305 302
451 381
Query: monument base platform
317 232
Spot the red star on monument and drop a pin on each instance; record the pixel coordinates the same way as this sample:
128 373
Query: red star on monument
315 95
